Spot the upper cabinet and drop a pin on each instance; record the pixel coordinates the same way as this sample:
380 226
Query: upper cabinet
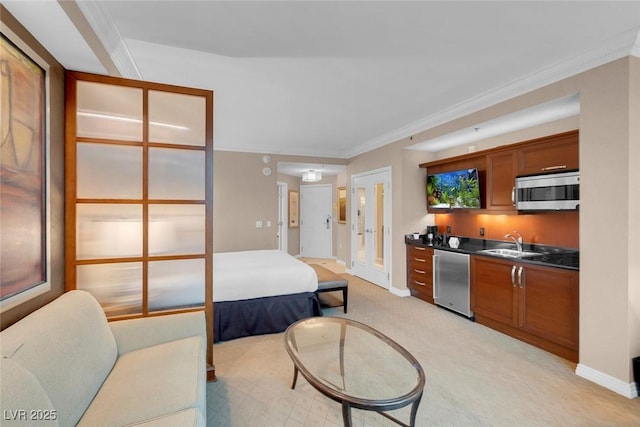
501 176
499 167
551 154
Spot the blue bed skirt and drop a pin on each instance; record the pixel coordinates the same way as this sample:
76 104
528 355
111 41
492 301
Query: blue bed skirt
235 319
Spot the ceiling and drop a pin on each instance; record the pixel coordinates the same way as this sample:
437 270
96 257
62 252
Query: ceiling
335 78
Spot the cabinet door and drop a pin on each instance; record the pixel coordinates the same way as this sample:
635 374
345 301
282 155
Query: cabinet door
493 293
549 304
501 177
553 155
420 272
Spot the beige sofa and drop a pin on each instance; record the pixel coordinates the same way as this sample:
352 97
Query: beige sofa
66 365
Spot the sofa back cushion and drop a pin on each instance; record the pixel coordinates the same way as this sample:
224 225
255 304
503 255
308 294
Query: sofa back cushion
24 401
69 348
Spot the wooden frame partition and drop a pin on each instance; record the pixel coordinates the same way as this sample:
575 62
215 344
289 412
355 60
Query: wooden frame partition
109 250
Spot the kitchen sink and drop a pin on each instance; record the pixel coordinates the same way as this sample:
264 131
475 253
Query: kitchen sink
509 253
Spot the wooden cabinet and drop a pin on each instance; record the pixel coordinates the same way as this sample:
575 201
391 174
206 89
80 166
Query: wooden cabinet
552 154
537 304
420 272
501 177
500 166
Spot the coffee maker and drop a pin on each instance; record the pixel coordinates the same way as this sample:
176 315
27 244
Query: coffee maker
431 236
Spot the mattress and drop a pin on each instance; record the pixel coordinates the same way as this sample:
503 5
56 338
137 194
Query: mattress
258 274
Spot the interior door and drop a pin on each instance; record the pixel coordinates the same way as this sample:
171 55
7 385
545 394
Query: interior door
316 221
370 226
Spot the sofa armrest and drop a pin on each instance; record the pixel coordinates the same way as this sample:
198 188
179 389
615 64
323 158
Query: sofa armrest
134 334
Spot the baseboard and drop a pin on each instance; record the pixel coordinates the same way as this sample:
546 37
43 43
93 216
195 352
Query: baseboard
629 390
400 292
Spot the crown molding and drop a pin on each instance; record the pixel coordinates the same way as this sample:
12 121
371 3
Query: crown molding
624 44
103 25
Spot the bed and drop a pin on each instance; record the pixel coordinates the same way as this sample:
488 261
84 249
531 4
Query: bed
260 292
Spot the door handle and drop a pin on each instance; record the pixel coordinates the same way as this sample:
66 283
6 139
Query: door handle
513 276
520 270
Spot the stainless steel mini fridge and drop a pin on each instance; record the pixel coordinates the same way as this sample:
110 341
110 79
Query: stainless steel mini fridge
451 281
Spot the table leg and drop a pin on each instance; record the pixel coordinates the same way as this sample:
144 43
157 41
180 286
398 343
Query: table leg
295 377
346 414
414 410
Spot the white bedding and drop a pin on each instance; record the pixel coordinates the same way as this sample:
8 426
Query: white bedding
261 273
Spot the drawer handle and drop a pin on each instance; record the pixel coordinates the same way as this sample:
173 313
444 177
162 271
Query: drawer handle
419 271
553 168
420 260
418 248
419 283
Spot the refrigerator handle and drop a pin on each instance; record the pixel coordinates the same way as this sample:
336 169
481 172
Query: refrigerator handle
435 276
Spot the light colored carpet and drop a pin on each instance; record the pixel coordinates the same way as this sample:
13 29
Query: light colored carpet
475 376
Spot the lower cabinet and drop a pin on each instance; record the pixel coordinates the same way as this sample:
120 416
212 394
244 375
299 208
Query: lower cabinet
420 272
536 304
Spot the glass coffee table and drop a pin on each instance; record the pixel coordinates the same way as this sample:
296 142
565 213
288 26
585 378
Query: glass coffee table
355 365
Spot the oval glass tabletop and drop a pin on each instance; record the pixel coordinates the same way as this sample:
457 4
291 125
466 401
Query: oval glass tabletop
351 362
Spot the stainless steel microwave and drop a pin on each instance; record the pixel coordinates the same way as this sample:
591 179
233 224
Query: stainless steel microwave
554 191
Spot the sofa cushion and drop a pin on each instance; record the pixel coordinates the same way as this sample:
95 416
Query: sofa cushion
147 383
188 418
24 401
68 346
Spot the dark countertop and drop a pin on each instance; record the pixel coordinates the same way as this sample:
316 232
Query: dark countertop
550 256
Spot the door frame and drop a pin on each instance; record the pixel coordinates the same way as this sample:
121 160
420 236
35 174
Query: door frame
283 216
387 222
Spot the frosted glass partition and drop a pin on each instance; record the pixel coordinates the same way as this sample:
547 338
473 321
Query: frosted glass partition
176 284
108 231
108 111
176 174
106 171
176 118
176 229
117 286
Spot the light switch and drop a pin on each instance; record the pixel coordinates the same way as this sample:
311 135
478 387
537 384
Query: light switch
268 224
258 224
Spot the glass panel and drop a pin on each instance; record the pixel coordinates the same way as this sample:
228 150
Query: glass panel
177 118
176 284
176 229
176 174
109 171
108 231
117 287
108 111
378 261
361 194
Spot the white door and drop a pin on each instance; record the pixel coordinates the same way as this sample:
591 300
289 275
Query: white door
316 222
371 226
283 216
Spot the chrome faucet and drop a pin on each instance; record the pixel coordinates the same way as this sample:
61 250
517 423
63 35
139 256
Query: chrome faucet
517 239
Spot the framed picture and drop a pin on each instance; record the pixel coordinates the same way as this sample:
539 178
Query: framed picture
294 209
24 183
342 205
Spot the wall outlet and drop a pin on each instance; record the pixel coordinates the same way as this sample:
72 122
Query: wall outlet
448 229
268 224
258 224
482 231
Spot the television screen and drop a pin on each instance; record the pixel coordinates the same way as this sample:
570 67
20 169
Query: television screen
456 189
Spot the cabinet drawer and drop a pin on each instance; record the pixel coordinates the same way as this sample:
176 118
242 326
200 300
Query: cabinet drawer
420 255
421 286
421 269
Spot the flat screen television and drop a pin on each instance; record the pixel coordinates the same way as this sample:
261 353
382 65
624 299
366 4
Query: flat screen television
454 190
